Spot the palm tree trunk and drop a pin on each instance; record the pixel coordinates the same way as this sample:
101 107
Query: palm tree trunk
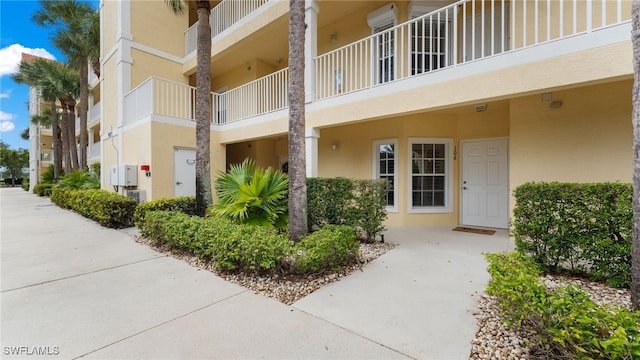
64 126
73 148
635 247
297 153
84 106
57 141
203 108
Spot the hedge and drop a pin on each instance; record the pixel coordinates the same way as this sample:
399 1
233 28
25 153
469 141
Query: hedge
567 323
582 229
107 208
357 203
184 204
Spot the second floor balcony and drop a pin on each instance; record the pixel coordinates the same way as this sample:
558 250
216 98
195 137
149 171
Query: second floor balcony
439 45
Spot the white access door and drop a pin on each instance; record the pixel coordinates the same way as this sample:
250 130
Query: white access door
485 183
184 172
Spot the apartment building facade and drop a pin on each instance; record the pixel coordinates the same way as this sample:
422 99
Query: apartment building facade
455 102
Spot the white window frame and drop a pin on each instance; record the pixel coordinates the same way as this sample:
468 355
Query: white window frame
376 168
379 20
448 195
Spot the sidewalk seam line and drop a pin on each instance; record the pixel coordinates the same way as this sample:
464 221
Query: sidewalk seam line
355 333
82 274
161 324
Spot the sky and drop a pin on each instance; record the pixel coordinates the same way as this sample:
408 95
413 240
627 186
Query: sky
19 34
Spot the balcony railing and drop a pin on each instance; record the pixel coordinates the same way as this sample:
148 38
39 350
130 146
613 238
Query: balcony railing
46 155
222 17
258 97
94 151
160 97
464 31
94 112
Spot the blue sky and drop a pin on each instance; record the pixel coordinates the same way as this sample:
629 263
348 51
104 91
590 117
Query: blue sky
19 34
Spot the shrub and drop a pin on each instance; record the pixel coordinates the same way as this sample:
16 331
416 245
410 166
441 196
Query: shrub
583 229
184 204
79 180
43 189
331 247
357 203
567 322
107 208
231 246
251 195
25 186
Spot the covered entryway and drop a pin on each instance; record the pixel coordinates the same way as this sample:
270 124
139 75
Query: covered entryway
184 172
485 183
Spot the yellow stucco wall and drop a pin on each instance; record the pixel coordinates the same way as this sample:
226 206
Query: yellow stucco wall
168 37
146 65
587 139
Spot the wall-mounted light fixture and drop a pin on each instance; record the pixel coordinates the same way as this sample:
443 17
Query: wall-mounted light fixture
481 107
335 145
333 37
556 104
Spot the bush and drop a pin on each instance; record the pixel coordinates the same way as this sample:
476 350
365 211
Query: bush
79 180
331 247
231 246
25 186
251 195
184 204
107 208
357 203
43 189
583 229
567 322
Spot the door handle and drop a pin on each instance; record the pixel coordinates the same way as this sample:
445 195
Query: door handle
178 183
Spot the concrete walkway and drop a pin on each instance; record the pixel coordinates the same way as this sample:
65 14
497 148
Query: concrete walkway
72 289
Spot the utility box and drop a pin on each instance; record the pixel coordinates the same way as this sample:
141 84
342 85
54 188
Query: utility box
138 195
123 175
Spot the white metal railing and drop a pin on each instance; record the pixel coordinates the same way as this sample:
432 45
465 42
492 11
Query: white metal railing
258 97
94 112
94 151
160 97
45 127
222 17
464 31
138 103
46 155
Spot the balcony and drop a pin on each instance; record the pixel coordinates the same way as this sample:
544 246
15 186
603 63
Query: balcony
439 42
223 16
94 151
94 113
46 155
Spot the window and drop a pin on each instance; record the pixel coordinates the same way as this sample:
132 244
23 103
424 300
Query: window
430 175
429 45
386 167
380 21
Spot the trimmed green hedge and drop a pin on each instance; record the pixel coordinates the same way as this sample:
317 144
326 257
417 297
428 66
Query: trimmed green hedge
43 189
184 204
568 324
339 201
245 247
582 229
107 208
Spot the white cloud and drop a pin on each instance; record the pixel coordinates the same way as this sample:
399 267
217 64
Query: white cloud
10 57
6 126
5 116
6 94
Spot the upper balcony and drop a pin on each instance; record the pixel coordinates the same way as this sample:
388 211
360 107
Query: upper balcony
440 45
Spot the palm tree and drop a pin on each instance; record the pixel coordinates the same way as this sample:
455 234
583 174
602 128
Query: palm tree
203 101
77 36
635 251
297 161
39 74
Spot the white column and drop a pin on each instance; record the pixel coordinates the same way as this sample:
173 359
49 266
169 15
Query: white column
310 49
311 146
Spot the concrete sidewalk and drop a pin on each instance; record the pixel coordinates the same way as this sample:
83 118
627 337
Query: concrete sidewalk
71 289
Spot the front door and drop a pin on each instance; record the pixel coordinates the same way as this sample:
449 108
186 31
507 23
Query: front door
184 172
485 183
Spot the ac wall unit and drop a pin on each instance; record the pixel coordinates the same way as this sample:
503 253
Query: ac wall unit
138 195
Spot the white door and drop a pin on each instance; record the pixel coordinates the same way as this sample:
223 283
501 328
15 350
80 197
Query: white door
184 172
485 183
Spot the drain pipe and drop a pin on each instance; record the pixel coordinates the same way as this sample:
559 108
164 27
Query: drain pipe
115 187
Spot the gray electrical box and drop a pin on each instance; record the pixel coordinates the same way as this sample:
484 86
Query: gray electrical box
123 175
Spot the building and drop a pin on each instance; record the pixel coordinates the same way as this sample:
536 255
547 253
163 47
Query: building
456 103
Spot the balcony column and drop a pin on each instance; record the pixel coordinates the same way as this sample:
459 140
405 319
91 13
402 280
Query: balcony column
310 49
311 147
